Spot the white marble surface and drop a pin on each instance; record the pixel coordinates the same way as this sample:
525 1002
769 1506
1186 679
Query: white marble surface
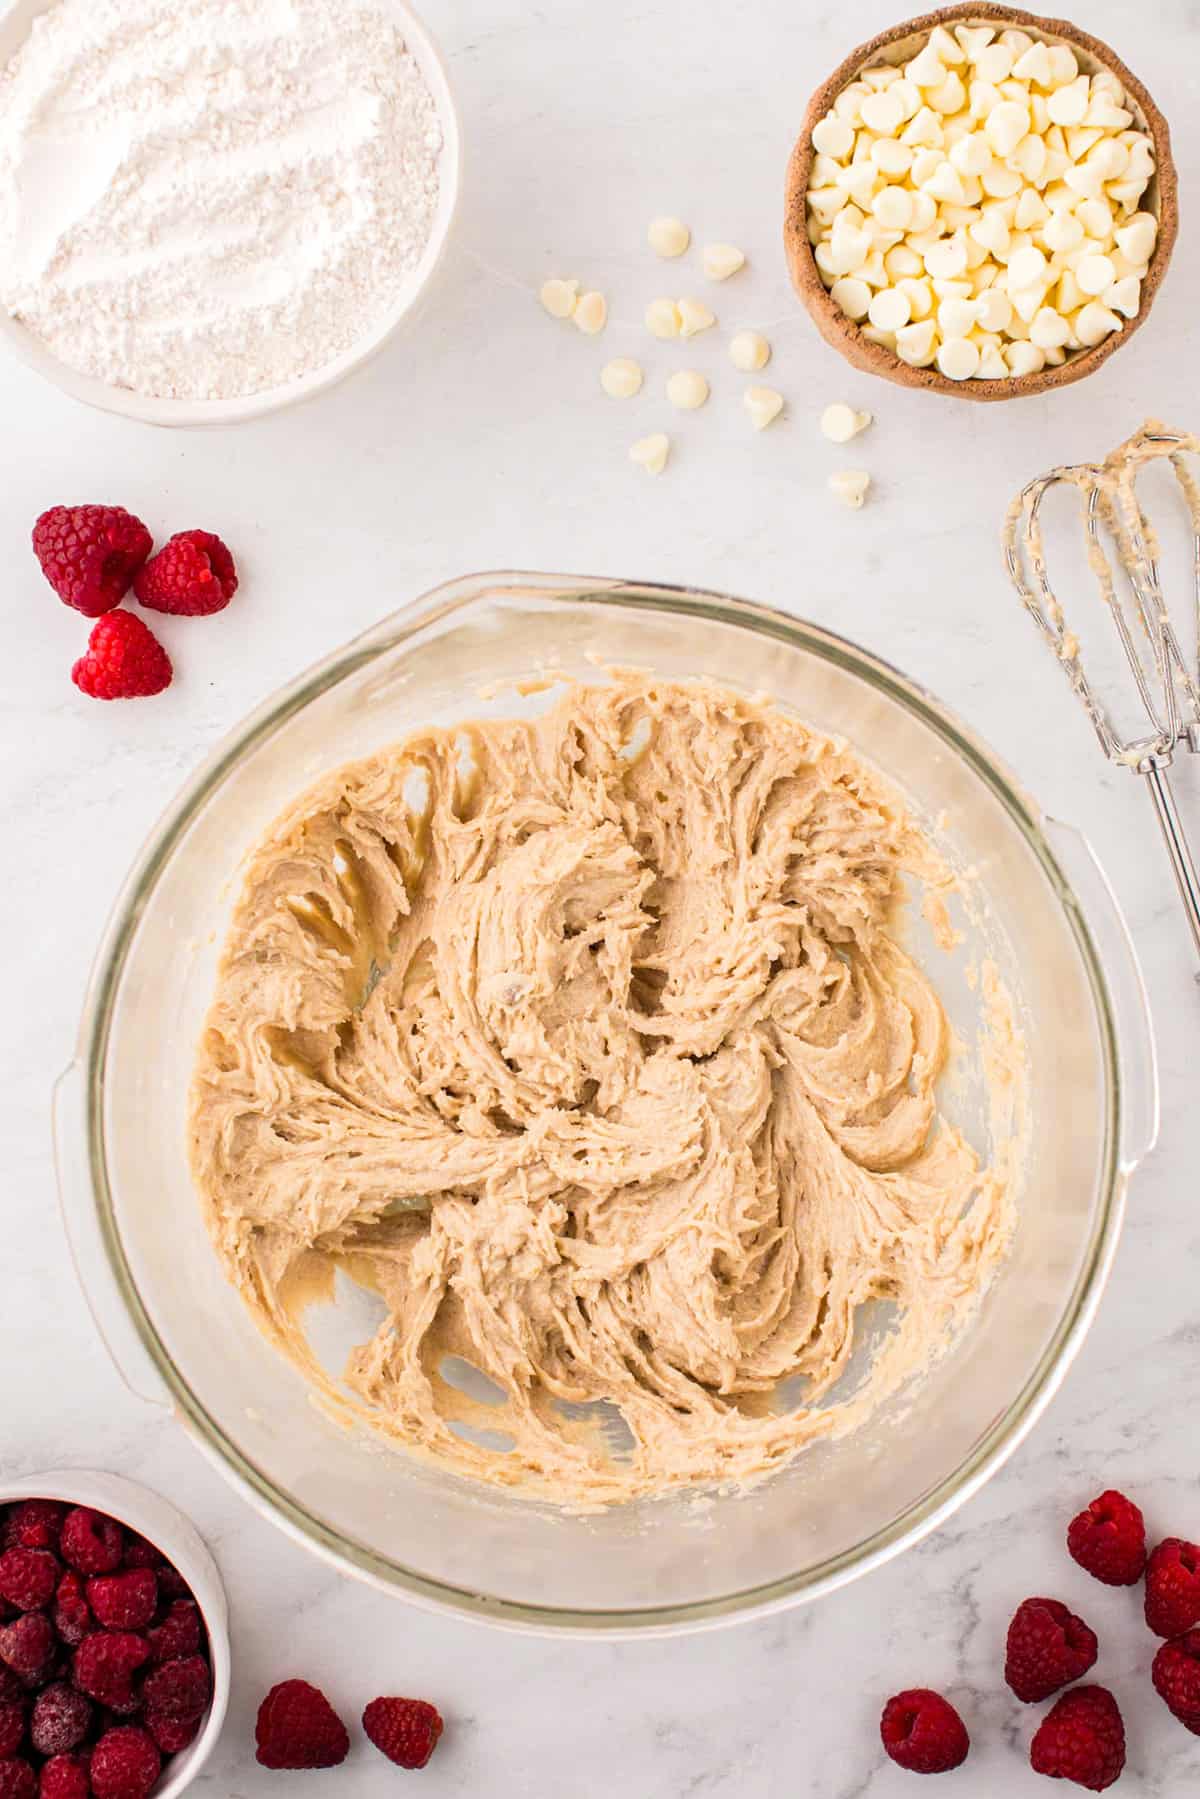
482 440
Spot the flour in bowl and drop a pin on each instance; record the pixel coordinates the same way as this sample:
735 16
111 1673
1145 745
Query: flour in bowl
204 201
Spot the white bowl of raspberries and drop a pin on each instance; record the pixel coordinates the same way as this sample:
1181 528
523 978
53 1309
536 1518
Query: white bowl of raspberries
114 1641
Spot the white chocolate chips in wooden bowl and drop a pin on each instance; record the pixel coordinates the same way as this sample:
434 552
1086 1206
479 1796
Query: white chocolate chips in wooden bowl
980 203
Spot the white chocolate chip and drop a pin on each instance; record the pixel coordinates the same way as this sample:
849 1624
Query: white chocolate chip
559 298
694 317
889 310
671 237
763 404
915 343
832 137
591 313
957 358
687 389
662 318
850 486
852 295
1048 329
621 378
1094 322
882 113
651 452
720 261
1024 359
839 422
1094 274
1068 104
749 351
1136 239
1125 296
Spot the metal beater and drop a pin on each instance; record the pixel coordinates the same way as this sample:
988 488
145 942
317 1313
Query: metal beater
1168 688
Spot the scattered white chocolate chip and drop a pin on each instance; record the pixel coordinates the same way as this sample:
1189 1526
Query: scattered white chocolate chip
687 389
763 404
850 486
662 318
621 378
651 452
591 313
720 261
694 317
839 422
748 351
668 237
559 298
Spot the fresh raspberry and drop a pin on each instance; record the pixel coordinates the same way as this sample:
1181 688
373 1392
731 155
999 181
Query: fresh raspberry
172 1585
90 554
72 1614
192 574
17 1780
1173 1587
65 1777
34 1524
125 1764
1048 1648
124 1601
922 1732
1176 1677
173 1734
90 1541
12 1726
298 1728
28 1578
28 1645
105 1665
60 1719
1081 1738
1109 1540
179 1689
180 1633
123 661
140 1554
405 1730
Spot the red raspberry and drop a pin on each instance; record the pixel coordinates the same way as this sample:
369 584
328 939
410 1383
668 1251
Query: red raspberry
28 1645
140 1554
1048 1648
12 1726
179 1689
65 1777
28 1578
125 1764
405 1730
60 1719
125 1601
298 1728
124 661
172 1585
105 1665
1109 1540
180 1633
90 1541
10 1686
1173 1587
17 1780
34 1524
1176 1677
72 1614
922 1732
192 574
90 554
173 1734
1081 1738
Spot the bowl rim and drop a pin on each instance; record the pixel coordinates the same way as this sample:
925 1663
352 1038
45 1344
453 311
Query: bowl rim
149 409
996 1442
845 335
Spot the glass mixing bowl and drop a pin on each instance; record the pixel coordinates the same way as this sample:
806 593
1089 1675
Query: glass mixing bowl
183 1337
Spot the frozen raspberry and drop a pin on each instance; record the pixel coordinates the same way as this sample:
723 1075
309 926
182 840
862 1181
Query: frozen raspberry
90 554
179 1689
28 1578
1081 1738
124 661
90 1541
922 1732
405 1730
124 1601
1173 1587
34 1524
125 1764
1109 1540
173 1734
28 1645
1176 1677
140 1554
12 1726
10 1686
72 1614
105 1665
193 574
180 1633
1048 1648
60 1719
17 1780
298 1728
65 1777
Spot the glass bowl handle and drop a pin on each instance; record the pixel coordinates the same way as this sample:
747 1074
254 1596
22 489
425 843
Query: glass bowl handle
85 1240
1127 991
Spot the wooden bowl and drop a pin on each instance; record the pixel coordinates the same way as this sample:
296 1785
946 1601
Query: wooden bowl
897 45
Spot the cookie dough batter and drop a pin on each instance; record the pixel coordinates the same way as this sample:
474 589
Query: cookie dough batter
588 1044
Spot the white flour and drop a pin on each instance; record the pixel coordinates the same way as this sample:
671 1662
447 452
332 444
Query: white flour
203 198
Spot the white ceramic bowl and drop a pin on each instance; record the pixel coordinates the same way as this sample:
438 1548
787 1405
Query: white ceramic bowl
15 23
162 1524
